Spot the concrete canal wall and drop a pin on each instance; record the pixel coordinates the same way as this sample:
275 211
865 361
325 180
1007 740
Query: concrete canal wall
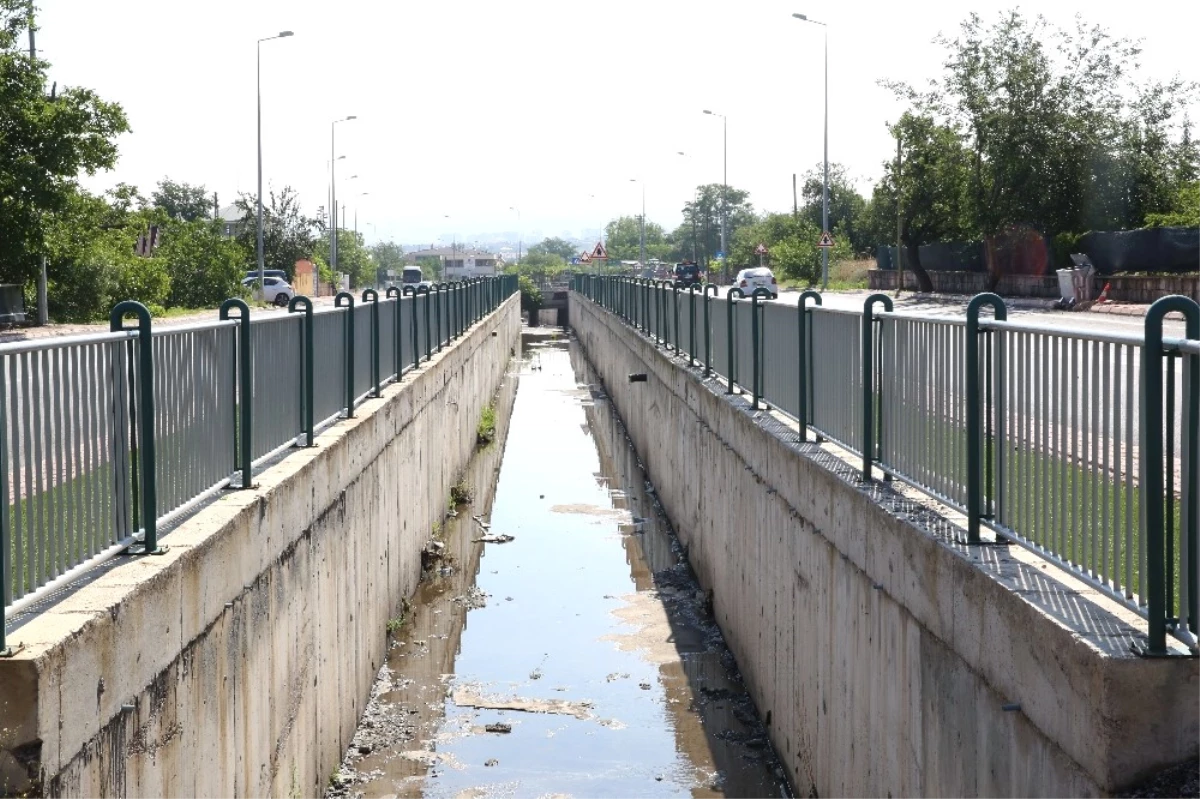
237 664
886 657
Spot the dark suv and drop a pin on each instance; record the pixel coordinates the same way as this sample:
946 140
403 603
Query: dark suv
688 274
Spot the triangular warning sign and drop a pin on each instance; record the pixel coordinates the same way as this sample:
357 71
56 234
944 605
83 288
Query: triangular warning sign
600 252
826 240
585 258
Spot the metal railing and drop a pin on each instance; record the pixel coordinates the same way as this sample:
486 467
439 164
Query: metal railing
1082 447
104 438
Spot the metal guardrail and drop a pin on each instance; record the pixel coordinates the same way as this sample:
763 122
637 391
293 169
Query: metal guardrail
1082 447
104 438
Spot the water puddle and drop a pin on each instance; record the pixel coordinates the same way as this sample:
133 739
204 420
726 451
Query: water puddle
577 658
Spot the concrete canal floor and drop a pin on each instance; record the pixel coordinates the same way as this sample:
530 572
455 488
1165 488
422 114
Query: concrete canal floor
578 658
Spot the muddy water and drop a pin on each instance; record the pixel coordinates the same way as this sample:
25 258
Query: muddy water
577 659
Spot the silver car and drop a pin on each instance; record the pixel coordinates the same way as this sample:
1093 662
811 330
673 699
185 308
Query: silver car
757 278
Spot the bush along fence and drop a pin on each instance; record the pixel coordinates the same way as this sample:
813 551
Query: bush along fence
105 438
1082 447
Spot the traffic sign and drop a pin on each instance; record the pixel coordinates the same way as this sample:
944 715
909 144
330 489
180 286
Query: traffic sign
760 249
585 258
826 240
575 262
720 255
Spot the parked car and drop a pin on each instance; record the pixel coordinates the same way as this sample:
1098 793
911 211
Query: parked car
687 274
279 273
757 278
275 291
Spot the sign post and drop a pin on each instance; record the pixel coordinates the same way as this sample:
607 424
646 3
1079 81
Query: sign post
760 251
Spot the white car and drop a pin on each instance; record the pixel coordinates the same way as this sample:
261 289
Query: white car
275 290
757 278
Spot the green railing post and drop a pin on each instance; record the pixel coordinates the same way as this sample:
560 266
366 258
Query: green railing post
647 292
429 302
345 299
5 536
306 349
439 300
716 292
805 349
394 294
416 338
675 313
731 298
372 296
244 451
868 379
692 290
756 377
1156 494
975 410
146 457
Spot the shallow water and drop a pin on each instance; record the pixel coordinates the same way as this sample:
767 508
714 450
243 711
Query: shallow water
578 658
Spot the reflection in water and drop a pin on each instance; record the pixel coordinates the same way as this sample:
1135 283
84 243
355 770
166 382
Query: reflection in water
577 659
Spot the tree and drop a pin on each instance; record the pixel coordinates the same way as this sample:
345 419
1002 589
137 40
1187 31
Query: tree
846 205
539 266
623 237
555 246
791 243
353 258
934 185
387 255
205 267
1185 209
45 143
705 212
182 201
288 235
1053 139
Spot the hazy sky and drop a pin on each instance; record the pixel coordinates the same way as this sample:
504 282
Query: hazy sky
467 108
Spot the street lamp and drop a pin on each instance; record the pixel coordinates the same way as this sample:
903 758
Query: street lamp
262 275
724 186
520 232
642 246
333 230
825 186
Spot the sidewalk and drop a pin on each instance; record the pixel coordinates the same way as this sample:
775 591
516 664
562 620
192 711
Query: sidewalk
91 328
918 299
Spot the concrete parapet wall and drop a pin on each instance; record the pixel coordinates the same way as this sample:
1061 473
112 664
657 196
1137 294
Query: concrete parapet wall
887 657
1122 288
238 663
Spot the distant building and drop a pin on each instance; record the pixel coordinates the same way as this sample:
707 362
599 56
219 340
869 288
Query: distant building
231 220
455 263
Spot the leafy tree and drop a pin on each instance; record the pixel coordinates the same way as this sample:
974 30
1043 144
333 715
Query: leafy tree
623 236
846 205
555 246
705 211
1185 209
387 255
205 267
182 200
934 186
791 242
539 266
45 143
288 235
353 258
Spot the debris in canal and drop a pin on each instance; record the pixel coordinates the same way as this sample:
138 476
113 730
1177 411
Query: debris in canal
466 697
494 539
499 727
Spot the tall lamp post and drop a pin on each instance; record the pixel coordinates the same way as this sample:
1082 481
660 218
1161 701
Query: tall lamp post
333 159
642 245
724 187
520 232
692 214
825 186
262 274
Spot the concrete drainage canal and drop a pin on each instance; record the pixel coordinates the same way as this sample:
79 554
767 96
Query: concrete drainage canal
558 643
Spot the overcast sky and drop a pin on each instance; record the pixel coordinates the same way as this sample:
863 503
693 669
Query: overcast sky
467 108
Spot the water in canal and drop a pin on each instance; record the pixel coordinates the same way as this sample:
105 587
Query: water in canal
578 658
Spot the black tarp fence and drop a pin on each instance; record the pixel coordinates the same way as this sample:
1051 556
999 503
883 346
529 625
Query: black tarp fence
1172 250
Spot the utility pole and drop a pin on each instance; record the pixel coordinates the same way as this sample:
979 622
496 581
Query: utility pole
795 204
43 313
